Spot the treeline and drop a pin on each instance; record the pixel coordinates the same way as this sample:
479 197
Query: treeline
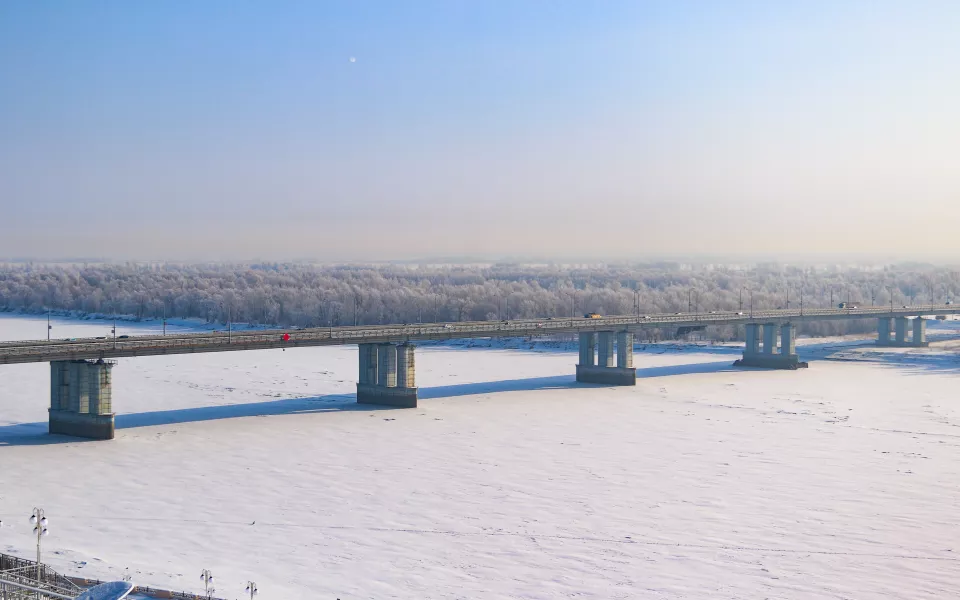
322 295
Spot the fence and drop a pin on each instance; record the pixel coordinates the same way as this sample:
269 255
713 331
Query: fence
21 578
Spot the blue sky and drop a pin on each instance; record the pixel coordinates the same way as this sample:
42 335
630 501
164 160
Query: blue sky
602 129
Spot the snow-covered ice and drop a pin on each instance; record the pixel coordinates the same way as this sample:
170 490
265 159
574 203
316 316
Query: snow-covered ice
509 481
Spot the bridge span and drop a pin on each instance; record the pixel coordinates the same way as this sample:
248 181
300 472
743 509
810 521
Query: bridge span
81 381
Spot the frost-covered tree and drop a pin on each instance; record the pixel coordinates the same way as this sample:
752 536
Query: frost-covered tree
323 295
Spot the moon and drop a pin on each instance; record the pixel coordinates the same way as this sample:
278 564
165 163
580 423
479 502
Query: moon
353 59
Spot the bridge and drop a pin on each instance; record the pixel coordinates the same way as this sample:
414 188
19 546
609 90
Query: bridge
81 401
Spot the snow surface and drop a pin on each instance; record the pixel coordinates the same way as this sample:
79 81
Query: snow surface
509 481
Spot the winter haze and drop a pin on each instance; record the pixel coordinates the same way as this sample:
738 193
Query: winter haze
622 129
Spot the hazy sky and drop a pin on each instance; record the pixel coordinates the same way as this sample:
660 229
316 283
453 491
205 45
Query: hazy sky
236 130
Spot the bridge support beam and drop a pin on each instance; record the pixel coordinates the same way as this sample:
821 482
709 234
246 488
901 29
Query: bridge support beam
788 340
387 375
605 355
883 331
769 358
588 347
919 332
604 371
625 350
902 328
769 338
751 332
81 398
901 333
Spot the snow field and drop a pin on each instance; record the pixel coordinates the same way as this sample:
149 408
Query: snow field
509 480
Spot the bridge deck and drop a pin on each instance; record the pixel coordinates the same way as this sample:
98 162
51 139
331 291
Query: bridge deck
152 345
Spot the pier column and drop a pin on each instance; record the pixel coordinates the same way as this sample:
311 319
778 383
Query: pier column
788 340
919 332
605 353
625 350
588 354
751 332
883 331
901 333
769 338
386 365
81 399
604 371
368 364
406 375
387 375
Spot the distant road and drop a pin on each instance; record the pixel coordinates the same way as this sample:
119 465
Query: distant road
221 341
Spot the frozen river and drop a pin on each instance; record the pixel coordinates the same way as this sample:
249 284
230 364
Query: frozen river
509 481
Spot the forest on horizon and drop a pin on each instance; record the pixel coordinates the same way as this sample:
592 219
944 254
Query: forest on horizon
323 295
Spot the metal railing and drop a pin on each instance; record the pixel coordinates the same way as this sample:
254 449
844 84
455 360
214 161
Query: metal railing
152 592
21 579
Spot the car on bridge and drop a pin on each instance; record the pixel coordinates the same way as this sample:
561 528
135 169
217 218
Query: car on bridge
592 315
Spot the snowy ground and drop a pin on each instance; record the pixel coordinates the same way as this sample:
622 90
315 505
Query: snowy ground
509 481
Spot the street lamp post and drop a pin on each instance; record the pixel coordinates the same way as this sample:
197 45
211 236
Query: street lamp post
49 327
252 589
207 577
39 522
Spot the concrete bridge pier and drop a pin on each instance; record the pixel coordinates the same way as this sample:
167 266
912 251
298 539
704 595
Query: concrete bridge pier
603 370
768 357
919 332
81 401
883 331
387 375
902 329
751 333
901 333
769 339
